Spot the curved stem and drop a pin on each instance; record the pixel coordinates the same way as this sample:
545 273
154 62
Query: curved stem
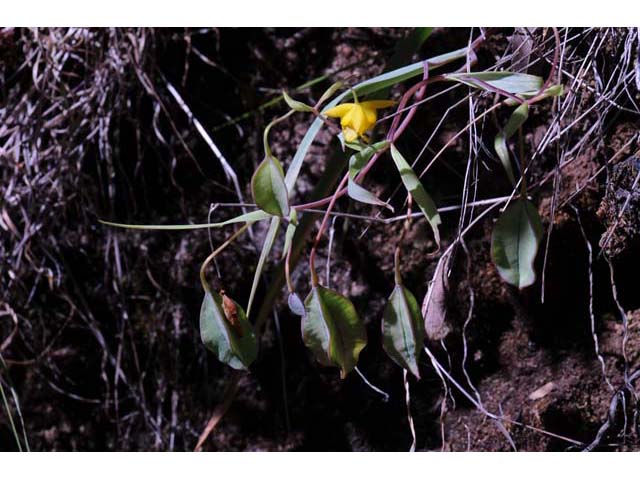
209 259
265 136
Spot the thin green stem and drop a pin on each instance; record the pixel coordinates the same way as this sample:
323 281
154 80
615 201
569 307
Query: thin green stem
265 136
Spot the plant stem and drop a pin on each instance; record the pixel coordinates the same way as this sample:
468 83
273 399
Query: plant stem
229 241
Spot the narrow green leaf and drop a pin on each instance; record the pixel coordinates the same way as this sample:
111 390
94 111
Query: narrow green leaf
517 118
508 81
269 240
552 91
514 243
332 329
416 69
269 189
291 231
417 191
403 329
219 337
356 163
295 104
249 217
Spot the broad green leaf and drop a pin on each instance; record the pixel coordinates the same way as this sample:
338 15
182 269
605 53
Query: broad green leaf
508 81
269 189
517 118
249 217
295 104
514 243
417 191
403 329
356 163
332 329
237 351
269 239
372 85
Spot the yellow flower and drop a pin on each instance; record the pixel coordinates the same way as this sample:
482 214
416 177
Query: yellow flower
356 118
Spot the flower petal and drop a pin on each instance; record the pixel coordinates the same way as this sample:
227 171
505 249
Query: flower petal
350 135
370 114
358 120
339 110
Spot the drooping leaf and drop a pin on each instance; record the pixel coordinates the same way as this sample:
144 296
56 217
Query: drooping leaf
332 329
508 81
218 335
248 217
356 163
514 243
434 306
517 118
269 239
269 189
403 329
415 188
295 104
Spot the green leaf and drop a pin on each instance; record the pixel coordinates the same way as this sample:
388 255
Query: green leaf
218 336
517 118
295 104
249 217
416 69
417 191
403 329
508 81
269 189
291 231
356 163
332 329
514 243
269 240
552 91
